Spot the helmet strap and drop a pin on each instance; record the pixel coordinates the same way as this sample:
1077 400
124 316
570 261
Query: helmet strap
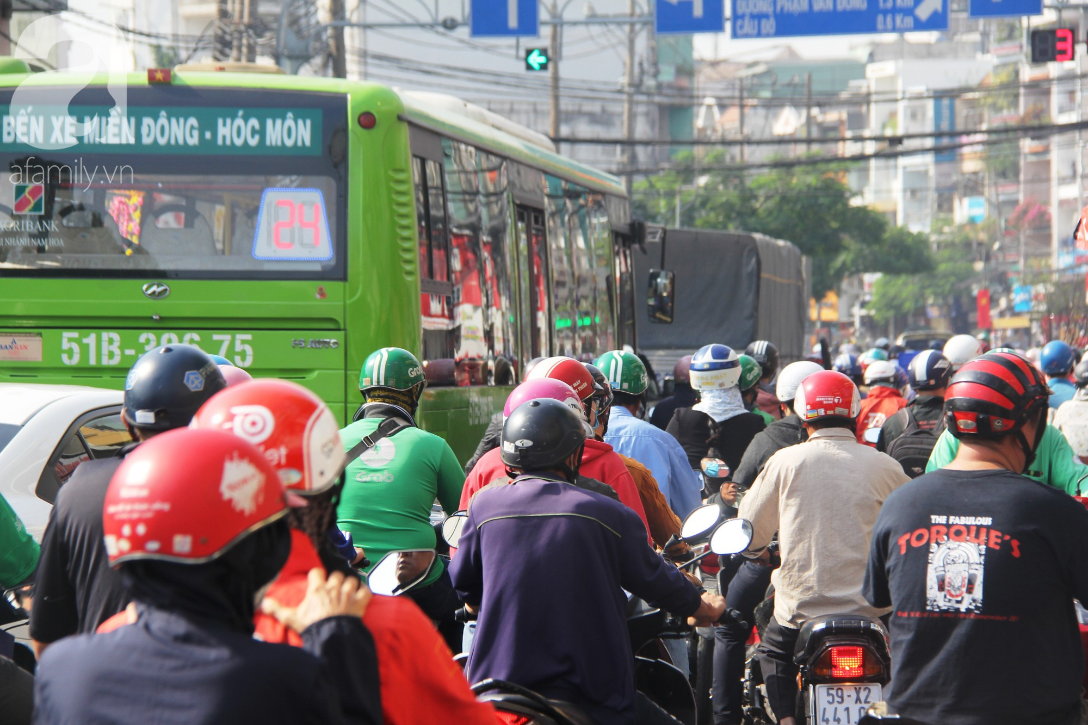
569 471
1028 449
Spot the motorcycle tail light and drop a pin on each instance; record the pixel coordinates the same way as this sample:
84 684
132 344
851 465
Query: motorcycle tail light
512 718
847 663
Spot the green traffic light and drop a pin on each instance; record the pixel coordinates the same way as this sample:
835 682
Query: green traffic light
537 59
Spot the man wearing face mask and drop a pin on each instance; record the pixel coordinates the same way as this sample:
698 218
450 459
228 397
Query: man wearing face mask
981 564
632 436
718 424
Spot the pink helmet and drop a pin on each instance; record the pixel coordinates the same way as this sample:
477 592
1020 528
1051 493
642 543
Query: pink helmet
542 388
234 375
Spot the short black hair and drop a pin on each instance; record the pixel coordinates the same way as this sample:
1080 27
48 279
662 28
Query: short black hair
625 399
848 423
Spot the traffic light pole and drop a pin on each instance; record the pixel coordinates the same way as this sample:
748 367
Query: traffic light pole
553 74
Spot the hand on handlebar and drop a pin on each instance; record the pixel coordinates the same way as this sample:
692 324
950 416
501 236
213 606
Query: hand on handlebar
709 612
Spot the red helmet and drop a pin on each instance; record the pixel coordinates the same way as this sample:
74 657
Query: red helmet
234 375
294 430
542 388
567 369
681 372
827 394
187 496
994 395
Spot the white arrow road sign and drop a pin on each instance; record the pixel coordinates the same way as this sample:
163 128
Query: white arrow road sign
512 14
927 8
697 6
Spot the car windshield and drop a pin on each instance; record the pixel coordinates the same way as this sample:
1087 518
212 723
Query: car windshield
7 432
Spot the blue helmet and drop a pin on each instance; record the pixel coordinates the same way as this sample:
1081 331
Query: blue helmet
714 367
1057 358
220 360
929 370
847 364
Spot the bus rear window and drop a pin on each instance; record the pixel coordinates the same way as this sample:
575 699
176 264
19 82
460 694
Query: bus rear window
132 203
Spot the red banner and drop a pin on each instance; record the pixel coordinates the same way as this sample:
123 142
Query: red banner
983 303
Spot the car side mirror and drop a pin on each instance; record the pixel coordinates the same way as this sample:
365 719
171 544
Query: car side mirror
732 537
661 297
399 572
452 527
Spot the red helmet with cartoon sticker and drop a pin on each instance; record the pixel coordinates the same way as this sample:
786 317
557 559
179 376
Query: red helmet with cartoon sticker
291 426
187 496
567 369
827 394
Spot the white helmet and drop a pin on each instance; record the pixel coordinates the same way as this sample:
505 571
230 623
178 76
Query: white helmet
791 377
880 371
961 348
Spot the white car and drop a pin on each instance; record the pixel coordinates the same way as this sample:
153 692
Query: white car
46 431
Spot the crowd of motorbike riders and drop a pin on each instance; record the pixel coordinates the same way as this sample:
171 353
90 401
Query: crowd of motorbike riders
210 572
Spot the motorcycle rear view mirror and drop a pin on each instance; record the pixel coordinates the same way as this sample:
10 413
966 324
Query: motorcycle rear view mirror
700 521
732 537
452 526
400 571
714 468
871 435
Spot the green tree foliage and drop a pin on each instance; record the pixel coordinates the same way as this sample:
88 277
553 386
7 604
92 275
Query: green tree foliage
902 294
811 206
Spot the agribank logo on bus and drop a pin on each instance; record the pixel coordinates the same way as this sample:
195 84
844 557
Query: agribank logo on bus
41 114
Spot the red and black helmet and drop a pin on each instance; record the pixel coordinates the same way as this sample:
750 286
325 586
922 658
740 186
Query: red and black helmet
994 395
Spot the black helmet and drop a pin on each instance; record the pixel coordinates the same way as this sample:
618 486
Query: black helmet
542 434
766 354
929 370
602 389
1080 374
167 385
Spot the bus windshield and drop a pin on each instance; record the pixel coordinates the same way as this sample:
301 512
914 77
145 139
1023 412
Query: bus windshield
178 191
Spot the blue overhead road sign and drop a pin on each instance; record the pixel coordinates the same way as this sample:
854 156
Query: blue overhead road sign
781 18
1004 8
689 16
492 18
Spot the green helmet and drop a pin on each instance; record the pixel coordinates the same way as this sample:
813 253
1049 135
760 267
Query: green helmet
393 368
750 372
625 372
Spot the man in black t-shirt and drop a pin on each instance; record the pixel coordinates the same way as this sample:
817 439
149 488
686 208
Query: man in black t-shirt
76 590
981 566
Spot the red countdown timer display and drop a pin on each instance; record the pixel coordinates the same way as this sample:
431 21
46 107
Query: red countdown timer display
292 226
1053 45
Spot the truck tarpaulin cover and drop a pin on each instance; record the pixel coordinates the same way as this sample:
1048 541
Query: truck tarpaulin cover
731 288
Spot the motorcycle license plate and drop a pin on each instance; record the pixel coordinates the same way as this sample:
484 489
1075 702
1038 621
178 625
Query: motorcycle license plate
844 704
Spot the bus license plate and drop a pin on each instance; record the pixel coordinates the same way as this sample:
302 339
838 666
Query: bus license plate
844 704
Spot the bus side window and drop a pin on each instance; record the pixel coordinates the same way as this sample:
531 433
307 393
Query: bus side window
625 288
436 292
601 236
562 268
533 282
500 330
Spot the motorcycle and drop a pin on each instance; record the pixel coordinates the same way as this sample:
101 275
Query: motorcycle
844 662
655 676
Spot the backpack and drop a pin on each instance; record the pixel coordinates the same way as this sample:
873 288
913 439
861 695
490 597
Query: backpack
914 446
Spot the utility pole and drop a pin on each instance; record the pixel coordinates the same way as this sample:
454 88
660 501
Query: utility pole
223 43
808 112
740 108
336 42
553 72
629 108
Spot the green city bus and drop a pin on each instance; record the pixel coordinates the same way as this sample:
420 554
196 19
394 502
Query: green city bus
293 225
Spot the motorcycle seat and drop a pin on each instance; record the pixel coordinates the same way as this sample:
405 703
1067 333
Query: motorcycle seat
568 710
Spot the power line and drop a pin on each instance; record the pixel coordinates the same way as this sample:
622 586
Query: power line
1020 130
831 160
